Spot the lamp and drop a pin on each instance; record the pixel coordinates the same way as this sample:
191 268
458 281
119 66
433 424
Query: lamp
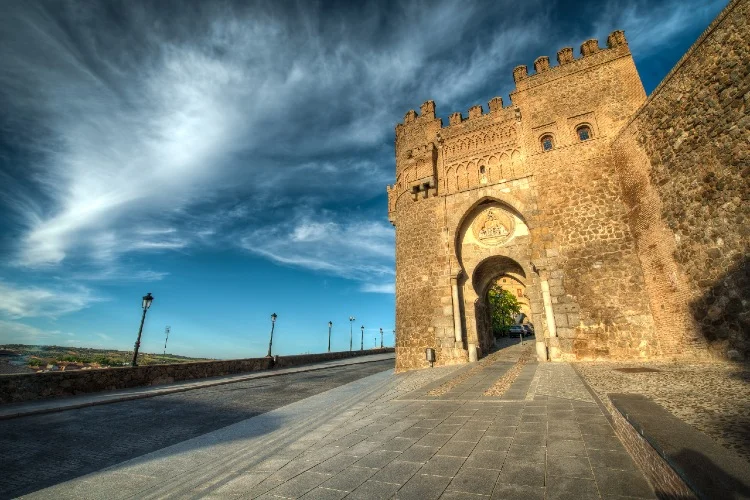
352 319
270 342
330 325
145 304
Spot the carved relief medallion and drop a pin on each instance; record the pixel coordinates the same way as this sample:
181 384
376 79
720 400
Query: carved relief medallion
493 226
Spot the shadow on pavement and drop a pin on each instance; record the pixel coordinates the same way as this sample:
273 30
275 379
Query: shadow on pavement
44 450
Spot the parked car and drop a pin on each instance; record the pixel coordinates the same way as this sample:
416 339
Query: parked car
515 331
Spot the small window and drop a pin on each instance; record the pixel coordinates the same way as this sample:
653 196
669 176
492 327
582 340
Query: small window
584 133
547 143
481 169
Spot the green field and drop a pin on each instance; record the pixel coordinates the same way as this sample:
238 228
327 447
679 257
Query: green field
39 357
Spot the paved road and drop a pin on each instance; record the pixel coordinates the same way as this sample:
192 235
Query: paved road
385 436
43 450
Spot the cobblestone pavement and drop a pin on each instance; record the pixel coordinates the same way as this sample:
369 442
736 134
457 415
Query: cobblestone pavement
368 439
43 450
712 397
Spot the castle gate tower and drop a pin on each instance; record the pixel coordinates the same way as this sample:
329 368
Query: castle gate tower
528 192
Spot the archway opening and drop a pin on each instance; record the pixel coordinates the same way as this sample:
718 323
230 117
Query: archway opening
502 304
508 306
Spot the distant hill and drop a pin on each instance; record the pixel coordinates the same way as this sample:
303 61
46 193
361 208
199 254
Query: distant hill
21 358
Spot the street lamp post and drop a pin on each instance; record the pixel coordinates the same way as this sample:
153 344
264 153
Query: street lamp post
352 319
270 342
145 304
362 341
381 338
330 324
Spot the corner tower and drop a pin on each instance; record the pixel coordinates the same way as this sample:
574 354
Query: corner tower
526 192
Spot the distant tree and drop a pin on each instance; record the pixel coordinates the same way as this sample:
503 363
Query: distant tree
503 309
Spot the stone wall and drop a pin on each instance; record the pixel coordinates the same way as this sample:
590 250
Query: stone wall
420 282
27 387
582 245
684 162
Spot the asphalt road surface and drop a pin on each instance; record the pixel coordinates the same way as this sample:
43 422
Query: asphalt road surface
43 450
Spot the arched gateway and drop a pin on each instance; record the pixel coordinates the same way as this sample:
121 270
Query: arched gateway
486 199
492 243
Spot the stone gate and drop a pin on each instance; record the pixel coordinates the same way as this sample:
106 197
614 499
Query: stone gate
540 192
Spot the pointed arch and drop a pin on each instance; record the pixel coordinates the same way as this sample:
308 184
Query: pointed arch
515 160
511 203
493 167
450 180
481 172
468 170
504 170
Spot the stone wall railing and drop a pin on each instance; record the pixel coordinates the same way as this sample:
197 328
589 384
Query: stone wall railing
26 387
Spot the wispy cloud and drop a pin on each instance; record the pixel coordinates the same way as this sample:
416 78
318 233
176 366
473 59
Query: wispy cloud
13 332
27 302
359 250
379 288
117 274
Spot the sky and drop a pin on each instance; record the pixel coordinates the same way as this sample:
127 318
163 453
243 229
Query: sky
231 157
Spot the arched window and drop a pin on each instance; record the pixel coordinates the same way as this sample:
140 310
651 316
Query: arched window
547 143
481 169
584 133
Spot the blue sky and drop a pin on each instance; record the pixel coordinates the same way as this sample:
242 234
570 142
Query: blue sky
232 158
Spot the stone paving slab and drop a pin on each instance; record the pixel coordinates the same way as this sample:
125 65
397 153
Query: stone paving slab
16 410
520 387
363 440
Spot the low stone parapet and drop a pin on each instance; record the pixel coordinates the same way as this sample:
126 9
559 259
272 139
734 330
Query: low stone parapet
306 359
680 461
17 388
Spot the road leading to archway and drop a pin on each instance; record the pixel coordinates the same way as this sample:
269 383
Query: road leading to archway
44 450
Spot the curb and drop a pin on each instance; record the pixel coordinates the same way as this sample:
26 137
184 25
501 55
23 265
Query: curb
605 410
174 390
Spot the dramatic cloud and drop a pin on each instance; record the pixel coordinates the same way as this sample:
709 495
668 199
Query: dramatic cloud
650 26
147 127
142 122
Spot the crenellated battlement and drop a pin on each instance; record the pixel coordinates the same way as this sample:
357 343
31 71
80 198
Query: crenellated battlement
565 56
427 115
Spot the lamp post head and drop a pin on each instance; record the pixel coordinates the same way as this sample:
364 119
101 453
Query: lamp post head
330 324
352 318
273 318
362 327
381 330
147 299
